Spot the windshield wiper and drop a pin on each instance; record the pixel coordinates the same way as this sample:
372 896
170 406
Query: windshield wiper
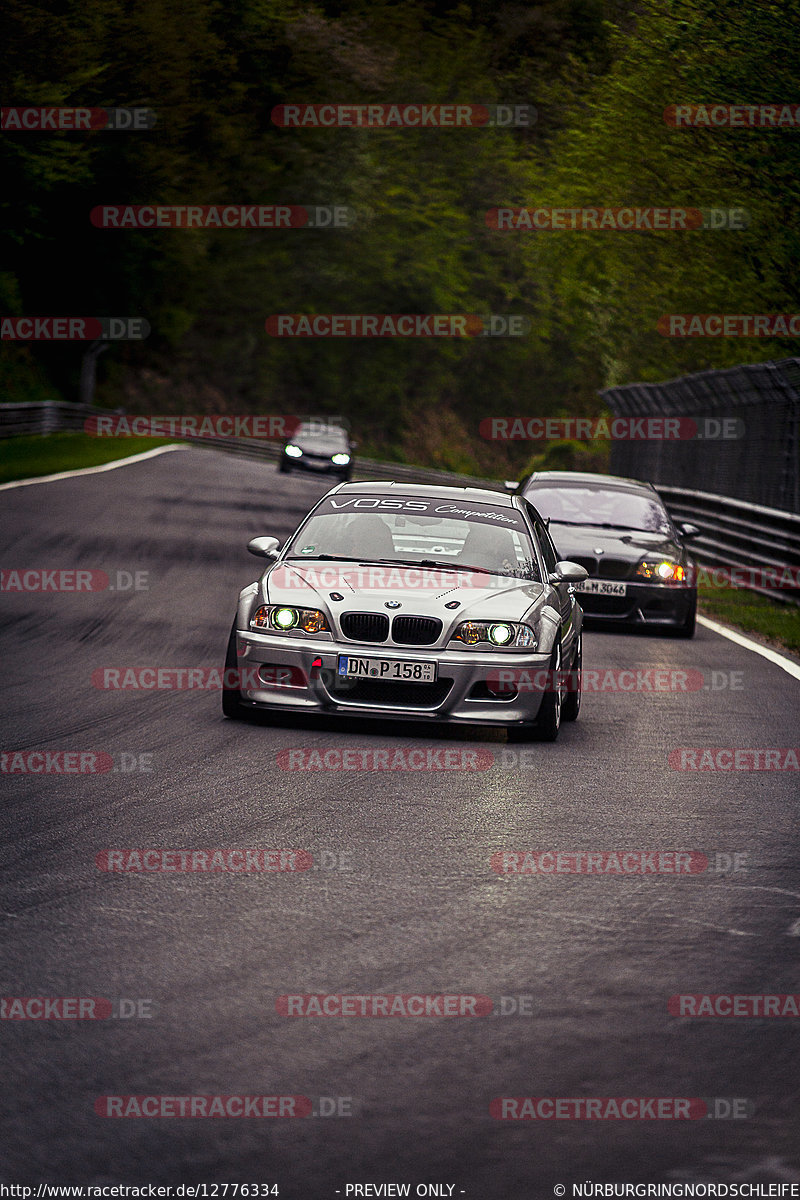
604 525
316 557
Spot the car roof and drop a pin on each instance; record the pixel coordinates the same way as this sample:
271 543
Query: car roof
590 477
434 491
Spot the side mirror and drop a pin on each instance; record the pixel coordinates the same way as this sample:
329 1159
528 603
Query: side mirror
687 530
511 485
568 572
264 547
353 445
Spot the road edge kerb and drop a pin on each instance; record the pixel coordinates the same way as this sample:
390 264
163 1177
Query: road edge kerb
109 466
790 666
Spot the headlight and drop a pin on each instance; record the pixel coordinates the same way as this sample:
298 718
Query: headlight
282 618
293 451
341 460
496 633
661 570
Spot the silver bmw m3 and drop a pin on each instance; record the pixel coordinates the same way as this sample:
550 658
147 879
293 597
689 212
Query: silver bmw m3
412 602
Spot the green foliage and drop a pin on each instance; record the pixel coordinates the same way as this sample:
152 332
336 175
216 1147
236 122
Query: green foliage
600 72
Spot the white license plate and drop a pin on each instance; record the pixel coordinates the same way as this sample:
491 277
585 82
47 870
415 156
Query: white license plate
351 667
602 587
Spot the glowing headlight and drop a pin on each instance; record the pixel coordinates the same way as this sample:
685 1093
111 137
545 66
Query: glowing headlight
293 451
310 620
661 571
496 633
341 460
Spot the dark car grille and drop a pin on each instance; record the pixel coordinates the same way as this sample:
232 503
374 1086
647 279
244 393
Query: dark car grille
604 568
395 695
416 631
365 627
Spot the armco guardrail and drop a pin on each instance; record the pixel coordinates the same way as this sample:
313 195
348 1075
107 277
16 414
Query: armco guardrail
755 543
51 416
42 416
736 536
759 464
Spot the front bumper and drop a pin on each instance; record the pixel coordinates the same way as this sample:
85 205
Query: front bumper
266 662
643 604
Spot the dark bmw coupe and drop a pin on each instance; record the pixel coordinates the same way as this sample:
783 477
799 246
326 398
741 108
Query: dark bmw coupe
640 572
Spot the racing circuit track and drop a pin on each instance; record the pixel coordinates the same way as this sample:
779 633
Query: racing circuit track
419 911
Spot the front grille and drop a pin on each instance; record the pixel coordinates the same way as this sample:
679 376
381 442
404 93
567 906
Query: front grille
604 568
614 568
365 627
416 631
396 695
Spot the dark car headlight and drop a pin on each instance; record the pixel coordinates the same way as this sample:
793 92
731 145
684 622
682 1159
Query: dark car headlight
661 570
497 634
340 460
282 618
293 451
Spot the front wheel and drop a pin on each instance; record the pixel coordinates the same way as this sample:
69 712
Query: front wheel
284 465
231 696
548 721
572 701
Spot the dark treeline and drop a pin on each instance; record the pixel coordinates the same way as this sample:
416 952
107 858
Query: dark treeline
600 73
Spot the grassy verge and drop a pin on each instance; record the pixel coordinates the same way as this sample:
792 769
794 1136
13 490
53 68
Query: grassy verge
778 624
26 457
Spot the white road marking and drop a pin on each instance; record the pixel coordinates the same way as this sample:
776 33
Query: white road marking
110 466
786 664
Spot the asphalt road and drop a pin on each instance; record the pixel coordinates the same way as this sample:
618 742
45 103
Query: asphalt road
402 898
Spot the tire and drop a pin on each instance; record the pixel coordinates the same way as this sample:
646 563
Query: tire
284 465
548 722
571 705
687 627
231 697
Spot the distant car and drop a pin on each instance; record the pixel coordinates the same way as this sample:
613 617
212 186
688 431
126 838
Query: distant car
640 572
413 603
321 448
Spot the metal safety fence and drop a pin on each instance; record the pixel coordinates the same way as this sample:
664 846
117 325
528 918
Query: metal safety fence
749 421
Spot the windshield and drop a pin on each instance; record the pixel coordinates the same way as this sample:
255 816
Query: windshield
426 531
611 508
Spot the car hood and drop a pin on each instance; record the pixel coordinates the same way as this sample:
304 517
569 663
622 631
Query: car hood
480 597
615 543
